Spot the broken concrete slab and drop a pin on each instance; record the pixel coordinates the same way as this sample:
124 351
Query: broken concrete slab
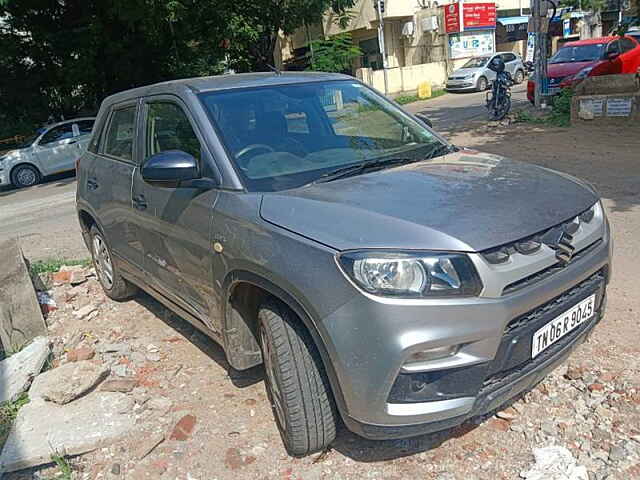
17 371
44 428
20 317
68 382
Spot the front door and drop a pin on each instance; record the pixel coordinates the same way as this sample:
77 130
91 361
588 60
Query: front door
57 149
174 221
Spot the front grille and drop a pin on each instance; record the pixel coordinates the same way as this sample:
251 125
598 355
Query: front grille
547 272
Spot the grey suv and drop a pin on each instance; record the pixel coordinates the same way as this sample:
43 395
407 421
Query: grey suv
307 223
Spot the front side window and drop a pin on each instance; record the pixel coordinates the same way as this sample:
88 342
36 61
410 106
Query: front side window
57 134
119 138
285 136
627 44
85 127
168 128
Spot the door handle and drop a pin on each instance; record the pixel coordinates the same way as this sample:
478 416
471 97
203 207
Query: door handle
92 184
139 202
71 142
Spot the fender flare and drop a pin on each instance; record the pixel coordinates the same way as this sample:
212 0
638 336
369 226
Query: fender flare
243 276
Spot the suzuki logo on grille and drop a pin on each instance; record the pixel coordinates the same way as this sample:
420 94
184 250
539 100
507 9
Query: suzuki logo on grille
564 249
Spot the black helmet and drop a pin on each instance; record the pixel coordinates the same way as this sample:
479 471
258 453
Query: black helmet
496 64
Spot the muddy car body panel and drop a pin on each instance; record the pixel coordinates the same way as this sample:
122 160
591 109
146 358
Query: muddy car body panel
295 200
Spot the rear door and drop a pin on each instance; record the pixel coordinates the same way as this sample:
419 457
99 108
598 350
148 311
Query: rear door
108 185
174 221
56 150
630 55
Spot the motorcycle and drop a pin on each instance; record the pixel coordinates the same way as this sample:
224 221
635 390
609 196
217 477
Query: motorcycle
499 98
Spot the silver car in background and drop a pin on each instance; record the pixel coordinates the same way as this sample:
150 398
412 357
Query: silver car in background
52 149
476 76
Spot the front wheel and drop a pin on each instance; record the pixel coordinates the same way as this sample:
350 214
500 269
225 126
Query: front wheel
519 77
25 176
297 384
482 84
499 107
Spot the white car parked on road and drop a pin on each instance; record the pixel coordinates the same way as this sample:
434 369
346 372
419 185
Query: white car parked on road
53 149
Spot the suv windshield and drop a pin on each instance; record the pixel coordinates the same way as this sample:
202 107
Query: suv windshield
286 136
476 62
580 53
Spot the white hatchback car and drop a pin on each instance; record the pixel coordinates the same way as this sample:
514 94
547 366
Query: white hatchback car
53 149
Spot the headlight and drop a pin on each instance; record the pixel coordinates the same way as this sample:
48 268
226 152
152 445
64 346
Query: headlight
582 74
412 274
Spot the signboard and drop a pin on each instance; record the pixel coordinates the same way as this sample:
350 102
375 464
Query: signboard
531 47
595 106
619 107
471 44
476 16
566 28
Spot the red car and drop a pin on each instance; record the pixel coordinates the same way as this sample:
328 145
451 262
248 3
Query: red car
588 58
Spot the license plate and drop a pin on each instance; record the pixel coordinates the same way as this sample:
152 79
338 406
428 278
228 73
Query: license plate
562 325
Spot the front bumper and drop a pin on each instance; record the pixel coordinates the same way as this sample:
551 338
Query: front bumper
459 87
369 340
4 177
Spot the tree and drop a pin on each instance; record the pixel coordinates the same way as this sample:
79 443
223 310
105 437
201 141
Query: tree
335 54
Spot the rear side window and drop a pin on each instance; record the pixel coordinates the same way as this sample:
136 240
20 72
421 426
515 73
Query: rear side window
168 128
627 44
119 139
85 127
56 134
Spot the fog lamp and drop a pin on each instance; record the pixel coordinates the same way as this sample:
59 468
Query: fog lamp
416 360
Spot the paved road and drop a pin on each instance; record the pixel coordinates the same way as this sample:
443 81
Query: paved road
44 216
452 109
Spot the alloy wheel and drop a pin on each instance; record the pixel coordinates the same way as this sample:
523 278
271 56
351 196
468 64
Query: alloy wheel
102 261
26 177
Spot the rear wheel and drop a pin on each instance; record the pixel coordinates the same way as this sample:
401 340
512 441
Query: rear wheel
296 381
113 284
25 176
482 84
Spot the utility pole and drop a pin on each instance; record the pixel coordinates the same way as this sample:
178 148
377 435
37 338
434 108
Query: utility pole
380 7
540 29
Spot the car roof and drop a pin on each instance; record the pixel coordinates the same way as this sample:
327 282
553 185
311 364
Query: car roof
226 82
71 120
590 41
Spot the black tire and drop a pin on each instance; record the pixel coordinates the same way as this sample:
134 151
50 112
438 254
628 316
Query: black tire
297 384
499 112
25 176
518 77
482 84
113 284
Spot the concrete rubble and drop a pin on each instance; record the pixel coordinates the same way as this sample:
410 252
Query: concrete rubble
43 428
68 382
18 371
555 463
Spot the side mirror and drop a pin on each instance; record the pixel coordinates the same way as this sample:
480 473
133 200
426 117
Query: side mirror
424 119
171 166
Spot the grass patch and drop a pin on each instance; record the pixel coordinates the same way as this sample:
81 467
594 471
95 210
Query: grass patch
53 265
404 99
560 115
65 471
8 413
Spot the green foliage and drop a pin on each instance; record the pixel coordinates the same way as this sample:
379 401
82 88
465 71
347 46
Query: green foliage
53 265
8 413
62 58
65 472
404 99
560 115
586 5
335 54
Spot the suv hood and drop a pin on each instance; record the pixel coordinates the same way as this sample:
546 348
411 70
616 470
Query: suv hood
464 201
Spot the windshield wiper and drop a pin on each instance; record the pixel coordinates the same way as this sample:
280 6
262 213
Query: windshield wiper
362 167
359 168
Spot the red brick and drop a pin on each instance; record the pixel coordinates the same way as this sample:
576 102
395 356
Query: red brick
61 278
596 387
498 424
183 429
80 354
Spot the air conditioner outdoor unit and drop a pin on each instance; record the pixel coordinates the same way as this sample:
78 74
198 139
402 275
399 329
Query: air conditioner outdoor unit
407 29
430 24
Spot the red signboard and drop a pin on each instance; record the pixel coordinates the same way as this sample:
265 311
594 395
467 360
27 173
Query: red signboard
476 16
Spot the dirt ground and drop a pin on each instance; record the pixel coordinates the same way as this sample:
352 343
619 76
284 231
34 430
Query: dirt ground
591 407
